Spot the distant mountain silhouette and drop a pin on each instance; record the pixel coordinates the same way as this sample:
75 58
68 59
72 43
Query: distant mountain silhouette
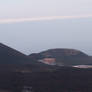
62 57
13 60
11 56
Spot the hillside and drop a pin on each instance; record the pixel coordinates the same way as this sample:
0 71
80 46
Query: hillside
9 55
13 60
62 57
19 72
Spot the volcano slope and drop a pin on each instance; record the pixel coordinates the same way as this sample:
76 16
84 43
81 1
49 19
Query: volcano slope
66 57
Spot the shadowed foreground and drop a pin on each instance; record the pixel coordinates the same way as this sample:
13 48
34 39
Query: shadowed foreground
62 80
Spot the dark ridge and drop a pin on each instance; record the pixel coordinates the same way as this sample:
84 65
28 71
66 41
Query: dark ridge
65 51
13 60
9 55
2 46
64 56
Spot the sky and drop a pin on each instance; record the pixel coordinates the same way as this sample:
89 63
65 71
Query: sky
41 8
35 25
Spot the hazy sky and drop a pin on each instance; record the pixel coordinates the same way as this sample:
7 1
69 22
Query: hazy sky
35 8
35 25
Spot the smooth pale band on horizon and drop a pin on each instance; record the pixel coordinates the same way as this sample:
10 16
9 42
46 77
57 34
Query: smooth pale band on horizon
15 20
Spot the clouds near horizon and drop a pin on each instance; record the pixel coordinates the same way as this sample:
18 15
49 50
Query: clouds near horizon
17 20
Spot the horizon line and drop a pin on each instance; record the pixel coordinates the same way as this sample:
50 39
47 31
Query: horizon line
46 18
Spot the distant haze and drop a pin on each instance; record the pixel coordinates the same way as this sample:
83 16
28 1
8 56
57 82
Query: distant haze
36 25
29 37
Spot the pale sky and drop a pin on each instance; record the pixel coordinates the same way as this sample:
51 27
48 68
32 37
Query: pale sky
36 25
41 8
